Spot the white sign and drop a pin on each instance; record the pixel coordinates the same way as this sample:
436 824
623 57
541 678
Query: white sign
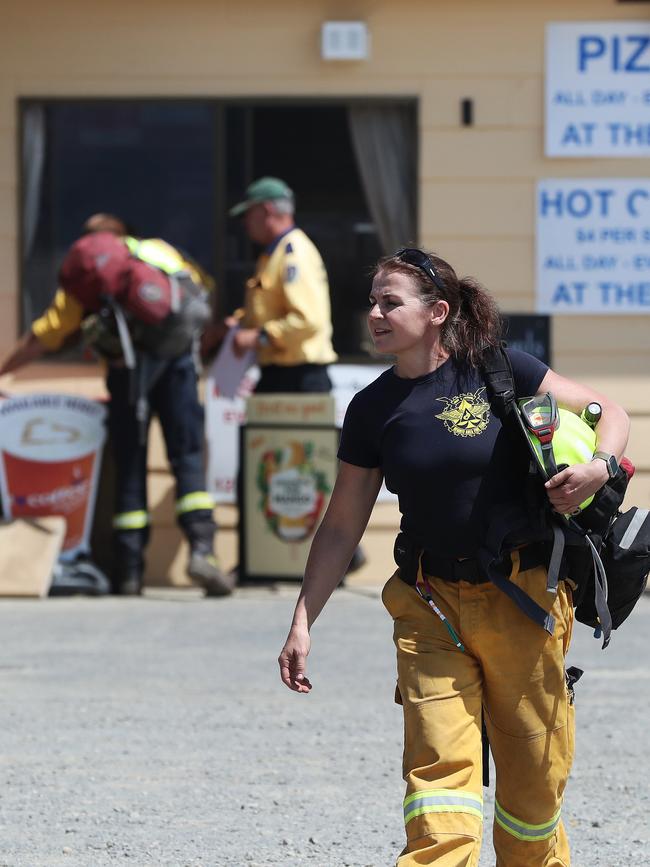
224 415
223 418
598 89
347 380
593 245
292 494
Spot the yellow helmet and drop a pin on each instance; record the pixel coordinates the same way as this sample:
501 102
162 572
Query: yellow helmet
572 441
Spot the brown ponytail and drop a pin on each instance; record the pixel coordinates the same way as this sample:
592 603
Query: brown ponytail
477 324
474 321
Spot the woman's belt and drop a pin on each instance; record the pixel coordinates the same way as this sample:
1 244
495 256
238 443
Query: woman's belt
452 569
463 568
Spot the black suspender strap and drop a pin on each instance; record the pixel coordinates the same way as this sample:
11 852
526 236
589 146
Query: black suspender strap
489 556
600 596
556 559
499 379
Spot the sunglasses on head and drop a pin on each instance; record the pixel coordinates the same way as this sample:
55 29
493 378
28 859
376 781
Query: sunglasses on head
413 256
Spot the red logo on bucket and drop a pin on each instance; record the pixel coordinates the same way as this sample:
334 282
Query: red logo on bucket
36 488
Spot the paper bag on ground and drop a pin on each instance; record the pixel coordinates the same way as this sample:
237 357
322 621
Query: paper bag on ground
29 548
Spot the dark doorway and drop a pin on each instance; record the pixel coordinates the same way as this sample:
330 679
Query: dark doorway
309 147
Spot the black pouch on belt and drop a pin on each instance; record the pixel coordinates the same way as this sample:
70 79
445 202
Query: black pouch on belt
407 556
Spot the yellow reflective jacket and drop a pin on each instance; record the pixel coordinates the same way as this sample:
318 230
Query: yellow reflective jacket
289 297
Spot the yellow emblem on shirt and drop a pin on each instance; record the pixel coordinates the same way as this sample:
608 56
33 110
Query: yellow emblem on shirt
466 415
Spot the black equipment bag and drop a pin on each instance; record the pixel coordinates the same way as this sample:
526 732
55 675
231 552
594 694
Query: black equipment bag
625 553
595 522
621 540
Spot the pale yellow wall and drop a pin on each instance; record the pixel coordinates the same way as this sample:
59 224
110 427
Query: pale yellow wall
476 185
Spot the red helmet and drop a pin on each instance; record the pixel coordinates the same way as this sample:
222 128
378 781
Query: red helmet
97 264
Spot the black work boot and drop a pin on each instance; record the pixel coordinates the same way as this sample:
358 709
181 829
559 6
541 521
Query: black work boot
203 568
128 581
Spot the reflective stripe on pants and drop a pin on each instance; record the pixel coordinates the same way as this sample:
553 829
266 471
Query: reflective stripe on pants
135 520
194 502
523 830
442 801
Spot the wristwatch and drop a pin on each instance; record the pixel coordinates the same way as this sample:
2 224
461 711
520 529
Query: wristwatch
610 462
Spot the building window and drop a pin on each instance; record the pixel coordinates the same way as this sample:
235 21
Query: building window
171 169
151 163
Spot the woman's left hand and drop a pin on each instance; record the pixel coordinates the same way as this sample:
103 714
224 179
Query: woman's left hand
572 486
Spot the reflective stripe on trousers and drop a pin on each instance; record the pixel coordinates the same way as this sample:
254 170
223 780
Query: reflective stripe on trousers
512 675
442 801
136 520
194 502
522 830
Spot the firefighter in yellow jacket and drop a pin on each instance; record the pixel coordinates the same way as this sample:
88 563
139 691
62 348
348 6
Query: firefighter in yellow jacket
286 315
170 392
466 651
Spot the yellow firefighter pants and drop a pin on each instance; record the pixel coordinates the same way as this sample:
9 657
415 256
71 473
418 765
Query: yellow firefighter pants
512 671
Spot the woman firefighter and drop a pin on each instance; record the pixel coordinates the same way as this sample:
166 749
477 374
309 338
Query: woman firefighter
467 652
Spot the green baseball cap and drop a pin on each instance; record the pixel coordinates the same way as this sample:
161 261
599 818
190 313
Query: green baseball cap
262 190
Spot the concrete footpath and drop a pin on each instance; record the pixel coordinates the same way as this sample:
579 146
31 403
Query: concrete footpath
156 731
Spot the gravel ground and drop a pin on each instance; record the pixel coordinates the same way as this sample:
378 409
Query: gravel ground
156 732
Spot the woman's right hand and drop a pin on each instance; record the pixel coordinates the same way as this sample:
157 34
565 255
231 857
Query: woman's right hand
293 658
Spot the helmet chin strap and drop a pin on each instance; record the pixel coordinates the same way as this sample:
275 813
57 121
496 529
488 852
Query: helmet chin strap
548 458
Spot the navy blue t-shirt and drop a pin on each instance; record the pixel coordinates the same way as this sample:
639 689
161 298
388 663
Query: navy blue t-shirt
441 450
